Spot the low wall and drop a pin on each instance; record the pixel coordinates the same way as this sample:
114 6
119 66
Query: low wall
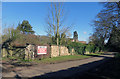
42 55
55 51
4 52
59 51
17 52
87 52
30 52
63 51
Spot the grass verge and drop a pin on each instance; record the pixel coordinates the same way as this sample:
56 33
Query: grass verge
54 59
62 59
95 54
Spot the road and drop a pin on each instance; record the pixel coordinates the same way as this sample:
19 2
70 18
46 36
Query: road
61 70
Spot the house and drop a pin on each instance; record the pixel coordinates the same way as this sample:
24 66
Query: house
75 38
83 42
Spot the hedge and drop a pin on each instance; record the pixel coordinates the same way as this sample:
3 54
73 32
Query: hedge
82 48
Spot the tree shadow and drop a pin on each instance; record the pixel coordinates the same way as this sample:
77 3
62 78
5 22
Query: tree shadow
78 72
72 73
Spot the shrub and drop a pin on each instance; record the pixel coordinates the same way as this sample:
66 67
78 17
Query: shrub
117 55
97 49
30 38
78 47
90 48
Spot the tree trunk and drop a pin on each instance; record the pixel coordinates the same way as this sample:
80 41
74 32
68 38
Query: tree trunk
57 41
119 15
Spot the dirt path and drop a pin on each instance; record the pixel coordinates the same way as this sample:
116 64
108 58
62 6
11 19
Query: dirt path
59 69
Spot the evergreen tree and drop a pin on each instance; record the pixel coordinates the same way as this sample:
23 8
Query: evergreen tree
75 36
63 39
25 27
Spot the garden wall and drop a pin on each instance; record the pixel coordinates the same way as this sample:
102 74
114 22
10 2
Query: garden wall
55 51
30 52
59 51
15 51
48 55
52 51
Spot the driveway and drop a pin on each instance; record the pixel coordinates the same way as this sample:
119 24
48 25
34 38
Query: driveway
59 70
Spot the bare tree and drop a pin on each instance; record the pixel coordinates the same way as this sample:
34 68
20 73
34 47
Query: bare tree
55 21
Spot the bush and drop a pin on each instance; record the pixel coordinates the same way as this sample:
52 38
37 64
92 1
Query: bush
69 48
78 47
90 48
97 49
117 55
30 38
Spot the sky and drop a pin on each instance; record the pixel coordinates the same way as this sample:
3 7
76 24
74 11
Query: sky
80 14
60 0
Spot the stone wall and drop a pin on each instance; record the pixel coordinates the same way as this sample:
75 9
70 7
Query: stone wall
43 55
29 52
87 52
63 51
55 51
4 52
59 51
21 52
